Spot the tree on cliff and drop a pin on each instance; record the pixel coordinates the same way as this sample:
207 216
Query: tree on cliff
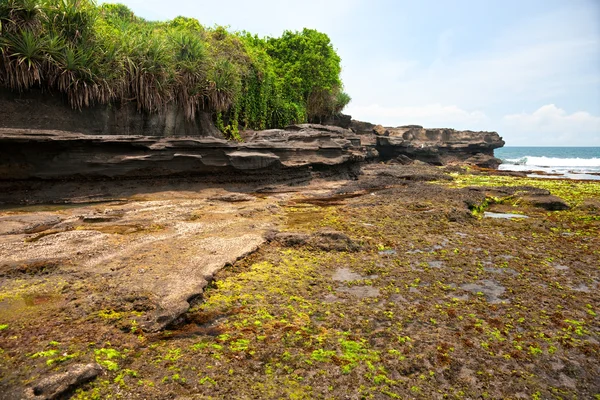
310 69
105 54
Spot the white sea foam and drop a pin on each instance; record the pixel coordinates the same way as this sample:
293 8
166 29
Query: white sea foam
555 162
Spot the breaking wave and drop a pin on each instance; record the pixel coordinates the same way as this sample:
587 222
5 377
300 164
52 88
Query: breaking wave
555 162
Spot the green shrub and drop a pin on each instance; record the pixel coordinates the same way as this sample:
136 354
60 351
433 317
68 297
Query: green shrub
103 54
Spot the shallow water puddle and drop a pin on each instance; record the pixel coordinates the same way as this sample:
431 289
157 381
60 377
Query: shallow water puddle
345 275
489 214
362 291
27 302
491 289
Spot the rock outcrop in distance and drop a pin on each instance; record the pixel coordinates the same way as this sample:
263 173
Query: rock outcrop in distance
439 146
286 155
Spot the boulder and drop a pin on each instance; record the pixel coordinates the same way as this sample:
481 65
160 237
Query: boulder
404 159
233 197
332 240
434 146
484 161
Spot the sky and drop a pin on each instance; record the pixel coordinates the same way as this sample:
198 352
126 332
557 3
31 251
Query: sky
527 69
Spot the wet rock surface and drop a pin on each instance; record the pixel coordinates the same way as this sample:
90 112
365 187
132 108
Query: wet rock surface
269 156
194 294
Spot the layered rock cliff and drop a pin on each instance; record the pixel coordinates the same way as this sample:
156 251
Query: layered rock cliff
277 155
434 146
271 155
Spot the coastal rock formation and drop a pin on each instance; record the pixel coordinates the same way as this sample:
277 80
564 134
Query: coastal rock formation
289 155
438 146
278 154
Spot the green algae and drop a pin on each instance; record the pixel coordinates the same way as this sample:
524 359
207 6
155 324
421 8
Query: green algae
275 325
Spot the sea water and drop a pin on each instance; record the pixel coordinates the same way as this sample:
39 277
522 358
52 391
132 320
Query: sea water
562 162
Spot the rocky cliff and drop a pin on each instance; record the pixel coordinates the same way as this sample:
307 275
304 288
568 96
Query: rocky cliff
35 109
434 146
277 155
271 155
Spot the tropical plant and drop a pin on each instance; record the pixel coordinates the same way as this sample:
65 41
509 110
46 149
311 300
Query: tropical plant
102 54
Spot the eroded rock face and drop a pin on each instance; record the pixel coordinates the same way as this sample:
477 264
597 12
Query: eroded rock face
272 154
34 109
433 146
438 146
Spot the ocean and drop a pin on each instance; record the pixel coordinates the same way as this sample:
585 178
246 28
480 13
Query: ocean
561 162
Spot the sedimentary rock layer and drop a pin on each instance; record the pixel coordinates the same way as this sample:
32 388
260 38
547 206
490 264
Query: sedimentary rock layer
26 154
439 146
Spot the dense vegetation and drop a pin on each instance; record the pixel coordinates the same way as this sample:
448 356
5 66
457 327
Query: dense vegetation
105 54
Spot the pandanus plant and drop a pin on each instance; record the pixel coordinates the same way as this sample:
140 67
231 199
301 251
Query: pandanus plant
23 59
73 73
72 19
18 15
148 76
191 59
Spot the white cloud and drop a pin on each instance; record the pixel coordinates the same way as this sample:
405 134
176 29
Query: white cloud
550 125
430 116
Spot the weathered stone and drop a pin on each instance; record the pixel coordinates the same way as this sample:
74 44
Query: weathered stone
404 159
24 224
438 146
549 202
325 239
341 120
484 161
33 109
289 239
332 240
233 197
417 171
59 384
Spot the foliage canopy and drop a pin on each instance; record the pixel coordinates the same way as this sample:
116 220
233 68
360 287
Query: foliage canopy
105 54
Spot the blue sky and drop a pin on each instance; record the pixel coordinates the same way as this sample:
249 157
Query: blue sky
528 69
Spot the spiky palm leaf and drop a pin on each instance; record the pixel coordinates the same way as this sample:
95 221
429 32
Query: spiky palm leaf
191 59
148 75
17 15
23 56
72 19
